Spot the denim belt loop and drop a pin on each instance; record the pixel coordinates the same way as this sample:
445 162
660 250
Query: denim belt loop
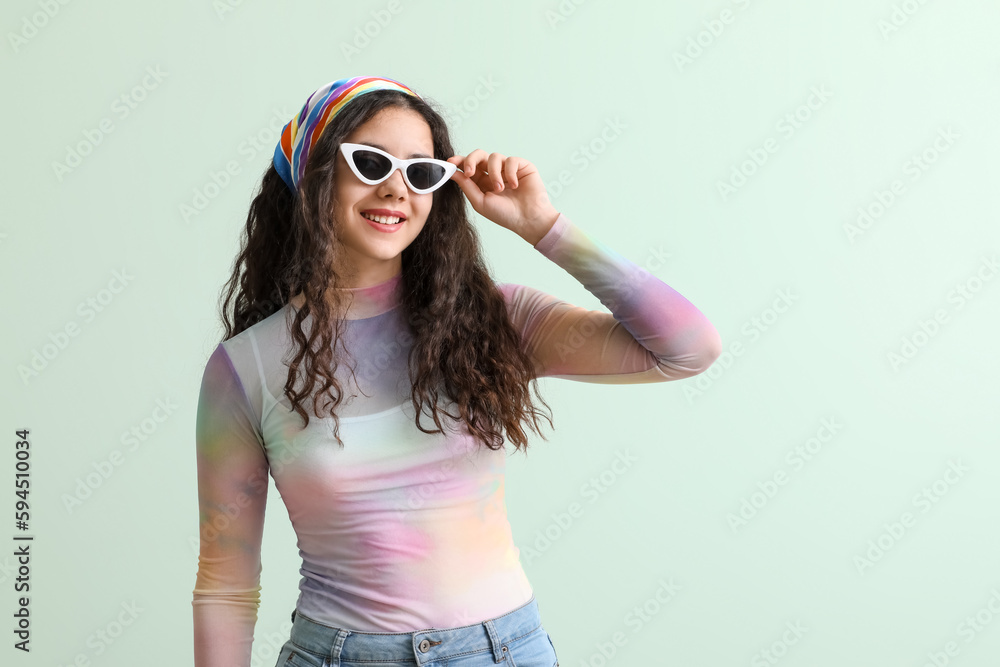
338 645
498 652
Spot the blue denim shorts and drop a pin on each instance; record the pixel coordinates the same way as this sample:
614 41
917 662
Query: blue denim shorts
515 639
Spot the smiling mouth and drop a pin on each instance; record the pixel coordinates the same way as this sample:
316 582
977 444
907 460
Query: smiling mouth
383 219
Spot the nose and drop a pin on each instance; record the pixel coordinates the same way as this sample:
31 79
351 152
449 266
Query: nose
394 186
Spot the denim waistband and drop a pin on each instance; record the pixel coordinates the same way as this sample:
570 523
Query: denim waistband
421 646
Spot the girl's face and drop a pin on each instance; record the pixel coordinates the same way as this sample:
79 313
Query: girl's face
374 250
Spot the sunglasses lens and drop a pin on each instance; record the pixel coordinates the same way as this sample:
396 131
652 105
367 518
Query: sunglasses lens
425 175
371 165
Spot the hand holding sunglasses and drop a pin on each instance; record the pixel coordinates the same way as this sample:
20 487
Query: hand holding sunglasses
506 190
523 207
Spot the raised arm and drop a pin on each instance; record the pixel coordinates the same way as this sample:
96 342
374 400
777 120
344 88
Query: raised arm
232 493
653 334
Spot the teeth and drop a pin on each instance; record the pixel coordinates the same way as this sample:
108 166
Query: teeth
382 219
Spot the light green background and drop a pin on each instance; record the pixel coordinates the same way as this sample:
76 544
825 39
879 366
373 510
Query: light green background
557 78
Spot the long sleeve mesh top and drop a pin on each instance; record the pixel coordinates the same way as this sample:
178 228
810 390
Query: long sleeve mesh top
400 530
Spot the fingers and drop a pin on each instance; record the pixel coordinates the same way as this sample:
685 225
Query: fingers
510 167
499 169
469 187
494 165
470 163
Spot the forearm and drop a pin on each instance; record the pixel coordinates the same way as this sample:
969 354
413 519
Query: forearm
650 322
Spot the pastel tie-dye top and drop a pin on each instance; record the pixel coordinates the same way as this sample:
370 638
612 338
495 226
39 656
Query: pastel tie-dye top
401 530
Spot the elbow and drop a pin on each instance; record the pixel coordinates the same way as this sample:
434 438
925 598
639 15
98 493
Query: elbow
712 349
697 360
705 354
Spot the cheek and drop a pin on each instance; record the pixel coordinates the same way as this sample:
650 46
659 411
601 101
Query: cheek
344 198
425 206
337 214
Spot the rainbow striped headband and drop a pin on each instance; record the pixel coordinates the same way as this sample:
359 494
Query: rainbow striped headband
300 134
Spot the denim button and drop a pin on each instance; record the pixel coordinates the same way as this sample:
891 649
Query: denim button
423 646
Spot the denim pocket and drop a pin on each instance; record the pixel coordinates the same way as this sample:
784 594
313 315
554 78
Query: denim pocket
292 655
531 650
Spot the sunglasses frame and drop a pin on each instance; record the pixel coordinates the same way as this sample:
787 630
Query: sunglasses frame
348 150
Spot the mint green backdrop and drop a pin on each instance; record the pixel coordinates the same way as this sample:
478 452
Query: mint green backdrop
818 178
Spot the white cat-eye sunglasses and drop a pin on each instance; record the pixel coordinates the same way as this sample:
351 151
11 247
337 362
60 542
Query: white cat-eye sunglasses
373 166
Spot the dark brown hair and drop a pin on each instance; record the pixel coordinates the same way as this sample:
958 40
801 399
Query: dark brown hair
464 344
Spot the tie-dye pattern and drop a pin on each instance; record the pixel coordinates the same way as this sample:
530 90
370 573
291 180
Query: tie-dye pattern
401 530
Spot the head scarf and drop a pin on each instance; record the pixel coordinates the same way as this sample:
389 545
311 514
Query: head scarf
300 134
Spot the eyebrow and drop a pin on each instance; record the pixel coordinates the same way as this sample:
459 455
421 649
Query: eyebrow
383 148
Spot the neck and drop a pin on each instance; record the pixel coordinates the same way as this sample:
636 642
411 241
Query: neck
367 301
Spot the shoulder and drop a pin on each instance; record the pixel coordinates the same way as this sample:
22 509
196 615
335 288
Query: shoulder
513 293
255 344
518 295
507 289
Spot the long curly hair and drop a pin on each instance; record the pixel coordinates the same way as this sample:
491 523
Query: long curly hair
464 344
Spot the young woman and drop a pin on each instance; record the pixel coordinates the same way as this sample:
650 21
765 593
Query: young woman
362 308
